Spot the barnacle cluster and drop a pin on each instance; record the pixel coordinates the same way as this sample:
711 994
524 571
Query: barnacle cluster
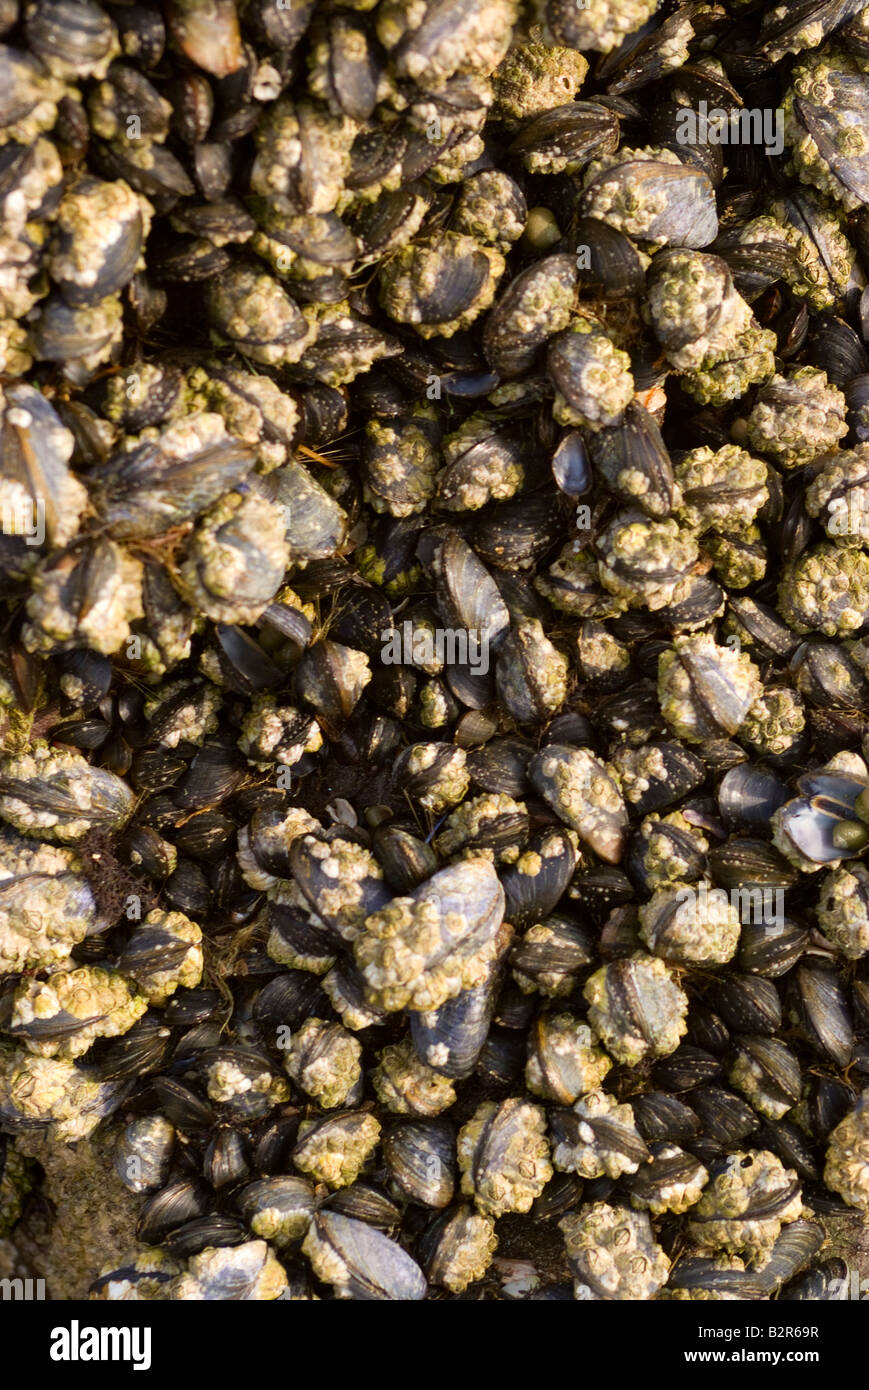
434 682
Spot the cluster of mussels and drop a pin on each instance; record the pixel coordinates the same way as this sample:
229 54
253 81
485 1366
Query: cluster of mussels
335 335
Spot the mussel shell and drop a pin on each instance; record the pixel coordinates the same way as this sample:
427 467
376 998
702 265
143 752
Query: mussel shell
451 1038
822 1007
636 443
372 1265
420 1157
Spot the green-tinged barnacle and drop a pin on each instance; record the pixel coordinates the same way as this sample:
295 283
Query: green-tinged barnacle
825 126
21 287
491 208
335 1150
62 1016
747 1201
51 1092
16 356
441 285
726 375
647 776
597 24
47 905
423 47
839 496
775 721
797 417
705 691
163 954
847 1166
406 1086
250 1272
705 326
826 590
636 1008
843 910
613 1254
86 597
535 77
323 1059
597 1137
503 1156
421 950
341 880
276 733
722 489
646 562
592 377
691 924
55 794
342 346
602 660
166 629
739 557
565 1061
236 559
478 822
401 463
435 710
